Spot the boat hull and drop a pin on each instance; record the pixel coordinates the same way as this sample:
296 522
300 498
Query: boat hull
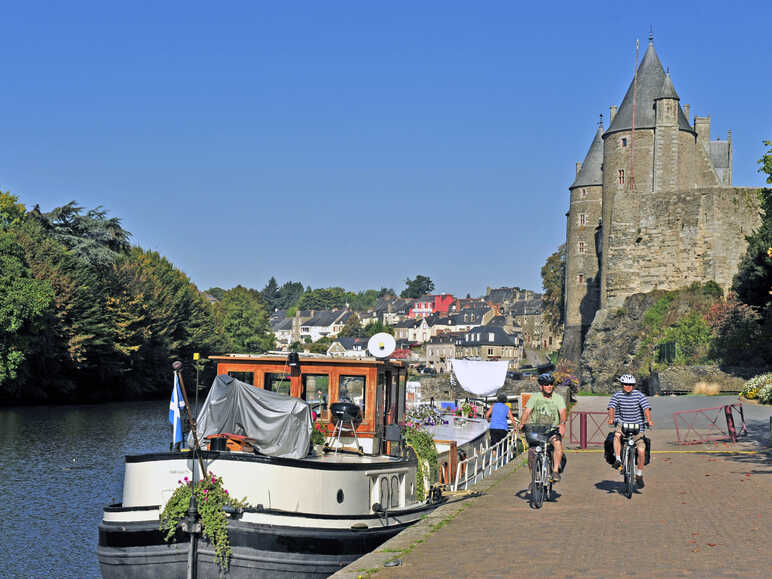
137 550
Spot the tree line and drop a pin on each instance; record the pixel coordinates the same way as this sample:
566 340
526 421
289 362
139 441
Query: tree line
87 316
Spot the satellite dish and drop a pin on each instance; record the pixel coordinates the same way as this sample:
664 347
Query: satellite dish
381 345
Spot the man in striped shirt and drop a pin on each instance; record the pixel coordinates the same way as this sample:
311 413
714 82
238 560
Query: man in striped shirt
630 405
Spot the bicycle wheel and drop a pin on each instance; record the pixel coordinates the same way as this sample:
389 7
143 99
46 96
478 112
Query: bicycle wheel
629 472
537 482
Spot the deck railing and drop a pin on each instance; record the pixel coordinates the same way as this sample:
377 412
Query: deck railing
485 462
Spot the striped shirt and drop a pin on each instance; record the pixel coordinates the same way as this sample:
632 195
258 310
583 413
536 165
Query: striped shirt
629 407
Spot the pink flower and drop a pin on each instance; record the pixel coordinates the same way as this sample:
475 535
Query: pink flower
185 479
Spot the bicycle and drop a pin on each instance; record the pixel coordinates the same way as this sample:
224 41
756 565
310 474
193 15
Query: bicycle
538 437
629 455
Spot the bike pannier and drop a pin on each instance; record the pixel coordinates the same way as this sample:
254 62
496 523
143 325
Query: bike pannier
608 448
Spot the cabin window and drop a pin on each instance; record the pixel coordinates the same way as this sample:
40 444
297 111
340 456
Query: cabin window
316 389
352 389
277 382
248 377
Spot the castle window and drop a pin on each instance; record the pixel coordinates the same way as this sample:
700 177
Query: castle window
582 219
624 142
580 278
621 176
584 193
581 247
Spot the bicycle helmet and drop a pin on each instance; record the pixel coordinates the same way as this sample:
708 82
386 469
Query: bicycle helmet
546 379
627 379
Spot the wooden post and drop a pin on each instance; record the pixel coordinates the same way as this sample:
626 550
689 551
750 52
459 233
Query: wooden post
452 462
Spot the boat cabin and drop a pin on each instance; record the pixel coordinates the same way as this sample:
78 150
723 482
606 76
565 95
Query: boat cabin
376 386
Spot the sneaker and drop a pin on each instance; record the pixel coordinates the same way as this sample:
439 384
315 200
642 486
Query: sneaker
639 480
555 477
617 464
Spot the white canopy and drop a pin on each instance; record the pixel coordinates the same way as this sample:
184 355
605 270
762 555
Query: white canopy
479 377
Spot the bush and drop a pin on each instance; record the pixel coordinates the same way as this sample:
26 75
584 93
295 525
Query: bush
759 387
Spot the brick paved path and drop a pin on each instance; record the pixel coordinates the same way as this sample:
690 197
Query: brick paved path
700 515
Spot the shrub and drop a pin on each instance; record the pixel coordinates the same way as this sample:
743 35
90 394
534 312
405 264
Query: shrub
759 387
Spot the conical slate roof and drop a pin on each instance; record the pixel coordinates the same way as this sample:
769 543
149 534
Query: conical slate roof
651 81
591 172
668 90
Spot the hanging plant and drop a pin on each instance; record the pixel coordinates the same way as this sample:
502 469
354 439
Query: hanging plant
211 497
422 444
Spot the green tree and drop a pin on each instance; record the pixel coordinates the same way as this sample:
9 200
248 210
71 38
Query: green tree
24 302
289 294
352 328
376 327
271 294
753 282
417 287
322 299
386 291
90 236
11 212
245 320
553 275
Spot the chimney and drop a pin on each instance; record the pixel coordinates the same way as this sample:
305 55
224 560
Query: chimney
612 113
578 168
729 135
686 112
702 126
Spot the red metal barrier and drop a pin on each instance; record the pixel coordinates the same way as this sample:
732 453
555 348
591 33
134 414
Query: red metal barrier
591 427
705 425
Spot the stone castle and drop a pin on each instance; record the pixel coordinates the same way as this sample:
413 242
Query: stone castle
652 205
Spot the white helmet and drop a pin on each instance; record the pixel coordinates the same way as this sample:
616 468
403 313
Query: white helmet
627 379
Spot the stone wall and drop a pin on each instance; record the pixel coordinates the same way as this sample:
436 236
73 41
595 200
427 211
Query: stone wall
679 238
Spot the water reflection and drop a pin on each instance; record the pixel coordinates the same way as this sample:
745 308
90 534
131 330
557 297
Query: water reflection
59 466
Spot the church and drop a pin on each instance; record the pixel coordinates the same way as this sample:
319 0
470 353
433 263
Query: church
652 205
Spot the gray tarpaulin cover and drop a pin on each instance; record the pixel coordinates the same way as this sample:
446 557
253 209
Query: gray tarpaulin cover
280 424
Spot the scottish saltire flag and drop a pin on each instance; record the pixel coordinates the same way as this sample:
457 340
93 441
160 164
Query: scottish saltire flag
175 411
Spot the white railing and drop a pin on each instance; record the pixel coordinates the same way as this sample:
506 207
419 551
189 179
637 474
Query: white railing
485 462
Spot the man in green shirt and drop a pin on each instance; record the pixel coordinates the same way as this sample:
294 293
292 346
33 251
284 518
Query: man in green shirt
549 410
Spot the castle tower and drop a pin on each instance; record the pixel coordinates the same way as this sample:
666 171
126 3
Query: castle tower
582 248
668 213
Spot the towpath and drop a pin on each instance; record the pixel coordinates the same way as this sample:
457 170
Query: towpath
706 511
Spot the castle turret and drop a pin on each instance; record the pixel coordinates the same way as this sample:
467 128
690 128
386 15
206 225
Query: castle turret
582 259
666 143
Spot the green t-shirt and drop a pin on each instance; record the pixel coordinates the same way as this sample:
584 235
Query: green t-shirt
545 411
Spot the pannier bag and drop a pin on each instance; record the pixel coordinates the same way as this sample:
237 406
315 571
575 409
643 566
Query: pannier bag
608 448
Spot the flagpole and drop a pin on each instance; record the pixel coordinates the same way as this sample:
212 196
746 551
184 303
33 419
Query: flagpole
196 447
192 519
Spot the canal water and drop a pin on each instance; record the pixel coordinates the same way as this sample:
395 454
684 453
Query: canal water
59 466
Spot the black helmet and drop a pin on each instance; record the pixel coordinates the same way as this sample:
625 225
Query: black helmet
546 379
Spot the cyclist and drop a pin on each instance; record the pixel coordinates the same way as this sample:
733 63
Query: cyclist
629 405
544 408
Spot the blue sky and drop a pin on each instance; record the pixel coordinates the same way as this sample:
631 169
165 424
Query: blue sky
351 143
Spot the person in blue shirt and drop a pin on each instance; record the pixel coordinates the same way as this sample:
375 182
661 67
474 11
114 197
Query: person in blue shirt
630 405
497 415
